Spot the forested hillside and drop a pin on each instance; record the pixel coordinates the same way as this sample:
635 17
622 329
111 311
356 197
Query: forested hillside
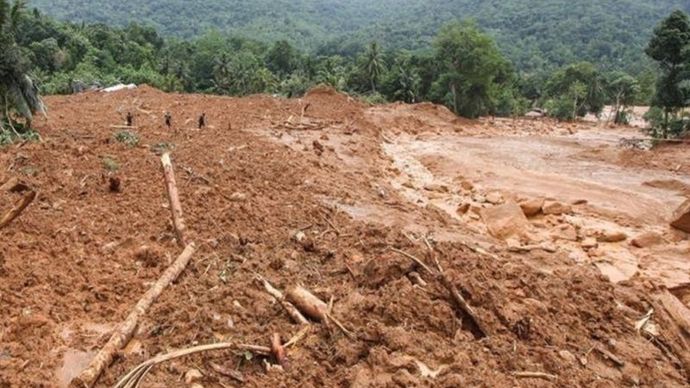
534 35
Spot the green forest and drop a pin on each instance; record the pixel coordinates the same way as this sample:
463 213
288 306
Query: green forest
571 60
535 35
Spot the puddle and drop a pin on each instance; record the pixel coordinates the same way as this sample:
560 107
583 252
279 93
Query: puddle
74 361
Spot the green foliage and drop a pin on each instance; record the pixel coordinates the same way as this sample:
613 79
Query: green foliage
623 91
129 138
472 70
579 86
537 35
110 164
670 47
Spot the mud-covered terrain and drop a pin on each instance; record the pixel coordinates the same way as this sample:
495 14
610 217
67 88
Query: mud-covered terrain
325 192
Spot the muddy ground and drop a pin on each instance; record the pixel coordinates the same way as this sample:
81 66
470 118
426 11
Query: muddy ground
357 181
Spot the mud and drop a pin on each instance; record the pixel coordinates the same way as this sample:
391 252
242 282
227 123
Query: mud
73 265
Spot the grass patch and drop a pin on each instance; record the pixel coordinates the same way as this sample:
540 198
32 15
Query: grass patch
110 164
129 138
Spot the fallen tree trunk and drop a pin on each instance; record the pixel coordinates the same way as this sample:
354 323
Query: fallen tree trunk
309 304
122 335
17 209
174 199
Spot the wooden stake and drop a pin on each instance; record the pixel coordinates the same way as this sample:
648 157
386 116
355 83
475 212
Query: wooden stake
125 332
174 199
17 209
278 350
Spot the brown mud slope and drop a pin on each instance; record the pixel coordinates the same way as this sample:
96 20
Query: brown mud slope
77 260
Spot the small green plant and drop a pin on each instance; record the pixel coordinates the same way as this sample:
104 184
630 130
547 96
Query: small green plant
7 136
161 148
129 138
110 164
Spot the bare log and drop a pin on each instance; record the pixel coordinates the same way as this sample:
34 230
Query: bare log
309 304
289 307
174 199
17 209
535 375
122 335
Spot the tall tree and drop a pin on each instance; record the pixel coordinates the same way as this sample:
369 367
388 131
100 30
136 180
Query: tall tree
18 93
471 69
670 47
374 65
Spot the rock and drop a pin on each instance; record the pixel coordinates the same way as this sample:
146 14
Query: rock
681 217
192 376
532 207
564 232
238 197
494 198
611 236
567 356
646 240
437 187
318 147
467 185
580 202
505 220
589 243
556 208
463 208
479 198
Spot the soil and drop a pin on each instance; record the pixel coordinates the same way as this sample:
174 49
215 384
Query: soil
357 180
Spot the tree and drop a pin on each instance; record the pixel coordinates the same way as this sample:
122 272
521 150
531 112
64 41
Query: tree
18 93
471 70
282 59
580 85
373 65
623 90
670 48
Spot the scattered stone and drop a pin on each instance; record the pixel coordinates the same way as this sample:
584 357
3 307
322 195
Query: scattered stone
463 208
479 198
467 185
532 207
589 243
505 220
556 208
494 198
318 147
192 376
437 187
567 356
611 236
681 217
646 240
238 197
114 185
564 232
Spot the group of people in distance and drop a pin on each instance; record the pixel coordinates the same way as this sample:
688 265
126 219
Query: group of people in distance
168 120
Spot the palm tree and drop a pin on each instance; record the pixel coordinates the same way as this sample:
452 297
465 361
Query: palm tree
18 93
373 64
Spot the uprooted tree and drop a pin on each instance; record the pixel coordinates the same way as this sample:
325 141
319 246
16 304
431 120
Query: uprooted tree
19 96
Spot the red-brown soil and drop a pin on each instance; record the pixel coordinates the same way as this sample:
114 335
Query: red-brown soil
77 260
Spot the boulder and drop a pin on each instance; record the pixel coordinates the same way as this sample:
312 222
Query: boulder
532 207
505 220
681 217
556 208
646 240
463 208
467 185
494 198
589 243
610 236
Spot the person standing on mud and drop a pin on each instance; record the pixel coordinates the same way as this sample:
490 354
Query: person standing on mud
129 119
168 120
202 121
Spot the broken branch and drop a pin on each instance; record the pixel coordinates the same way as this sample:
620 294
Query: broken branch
17 209
173 198
121 336
294 313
